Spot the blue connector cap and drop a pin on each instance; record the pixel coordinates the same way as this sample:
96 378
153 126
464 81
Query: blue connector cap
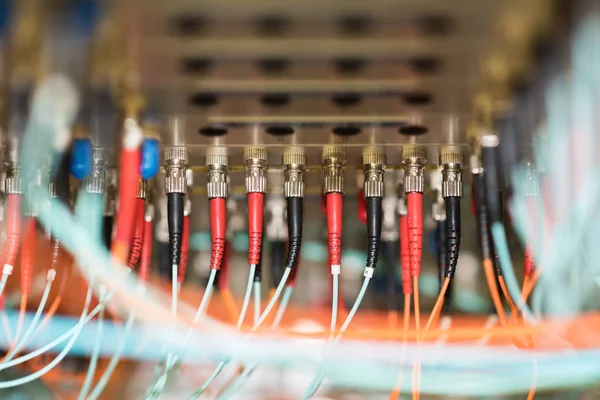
81 159
149 163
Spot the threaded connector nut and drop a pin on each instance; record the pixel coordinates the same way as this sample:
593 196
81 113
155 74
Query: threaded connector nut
294 162
451 158
334 162
531 182
13 183
142 188
373 168
255 163
96 181
176 159
217 162
414 159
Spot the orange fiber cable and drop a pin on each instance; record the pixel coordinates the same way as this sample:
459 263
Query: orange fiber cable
437 307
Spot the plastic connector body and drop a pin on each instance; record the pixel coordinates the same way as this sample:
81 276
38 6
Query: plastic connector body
334 163
217 162
255 164
294 166
414 159
176 159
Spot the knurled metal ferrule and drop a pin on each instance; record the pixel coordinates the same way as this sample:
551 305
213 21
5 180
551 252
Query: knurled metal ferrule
451 159
13 183
96 182
142 188
255 163
414 159
531 182
294 162
176 159
475 163
52 190
373 168
334 162
217 162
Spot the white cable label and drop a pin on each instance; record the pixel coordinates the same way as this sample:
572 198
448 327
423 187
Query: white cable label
7 270
369 272
336 269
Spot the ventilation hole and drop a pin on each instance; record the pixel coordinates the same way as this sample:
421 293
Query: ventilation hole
435 25
279 130
355 25
350 65
346 99
413 130
195 65
347 130
204 99
213 131
274 66
418 98
272 25
425 65
275 100
189 25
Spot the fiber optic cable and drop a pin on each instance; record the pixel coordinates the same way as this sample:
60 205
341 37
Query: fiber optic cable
95 354
114 360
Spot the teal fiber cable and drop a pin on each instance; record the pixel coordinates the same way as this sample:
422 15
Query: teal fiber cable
316 382
57 360
256 291
3 283
114 360
238 326
248 371
94 357
23 341
285 299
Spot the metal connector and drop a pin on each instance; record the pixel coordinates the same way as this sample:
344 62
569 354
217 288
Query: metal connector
176 159
438 211
531 181
294 166
37 175
255 164
13 183
414 159
142 188
475 164
451 158
276 225
149 214
374 161
217 162
334 162
96 181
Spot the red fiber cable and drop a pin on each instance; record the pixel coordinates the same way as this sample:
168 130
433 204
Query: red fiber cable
415 231
224 271
185 249
255 226
138 233
405 256
144 271
128 189
334 228
13 228
28 253
218 227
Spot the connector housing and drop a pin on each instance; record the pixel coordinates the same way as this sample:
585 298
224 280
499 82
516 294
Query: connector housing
414 159
217 162
96 181
294 162
176 159
373 168
334 162
255 164
451 159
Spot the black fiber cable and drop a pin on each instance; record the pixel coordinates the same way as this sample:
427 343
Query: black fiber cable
442 250
481 211
107 229
175 205
453 232
295 208
374 223
258 269
491 181
277 260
